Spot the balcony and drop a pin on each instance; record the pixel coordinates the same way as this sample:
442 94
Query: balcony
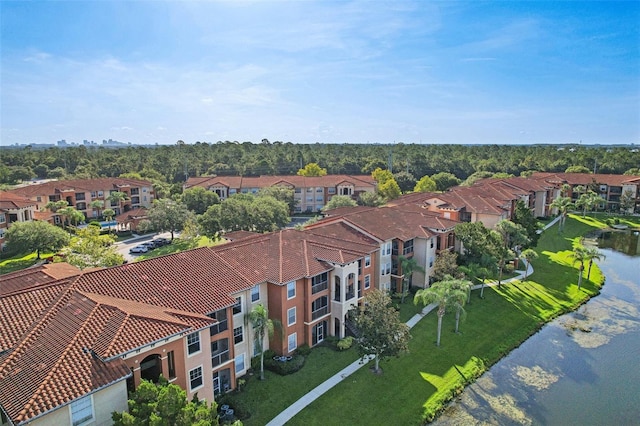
319 313
316 288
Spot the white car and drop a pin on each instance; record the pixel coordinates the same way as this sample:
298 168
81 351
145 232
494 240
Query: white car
138 249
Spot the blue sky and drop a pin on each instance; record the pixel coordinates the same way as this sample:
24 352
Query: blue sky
148 72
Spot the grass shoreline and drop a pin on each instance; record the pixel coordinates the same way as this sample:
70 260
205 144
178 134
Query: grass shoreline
416 387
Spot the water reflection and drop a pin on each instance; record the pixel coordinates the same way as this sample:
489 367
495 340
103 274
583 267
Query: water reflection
579 369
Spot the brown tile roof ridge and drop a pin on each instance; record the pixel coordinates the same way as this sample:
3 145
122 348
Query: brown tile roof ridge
10 201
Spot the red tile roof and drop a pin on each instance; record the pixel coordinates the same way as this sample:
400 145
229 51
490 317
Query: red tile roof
585 178
35 276
10 201
385 223
79 185
293 180
52 365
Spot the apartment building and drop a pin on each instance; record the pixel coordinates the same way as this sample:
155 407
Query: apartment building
14 208
311 193
608 187
72 343
80 193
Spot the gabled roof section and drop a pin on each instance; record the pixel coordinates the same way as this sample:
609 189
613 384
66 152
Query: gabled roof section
11 201
52 364
35 276
191 281
585 178
79 185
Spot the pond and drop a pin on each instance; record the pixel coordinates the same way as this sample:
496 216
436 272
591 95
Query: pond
581 368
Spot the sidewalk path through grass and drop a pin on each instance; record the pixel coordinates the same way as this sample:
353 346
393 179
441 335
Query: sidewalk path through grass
315 393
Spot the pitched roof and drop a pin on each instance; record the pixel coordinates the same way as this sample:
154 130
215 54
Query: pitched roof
10 201
79 185
388 222
585 178
265 181
52 366
35 276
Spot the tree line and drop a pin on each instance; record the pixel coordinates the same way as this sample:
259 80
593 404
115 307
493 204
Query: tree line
173 164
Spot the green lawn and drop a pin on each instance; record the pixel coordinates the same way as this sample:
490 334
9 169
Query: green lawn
264 399
415 386
21 261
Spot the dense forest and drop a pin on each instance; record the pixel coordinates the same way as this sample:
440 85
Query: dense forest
172 164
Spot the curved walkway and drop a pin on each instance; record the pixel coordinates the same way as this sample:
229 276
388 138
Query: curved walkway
319 390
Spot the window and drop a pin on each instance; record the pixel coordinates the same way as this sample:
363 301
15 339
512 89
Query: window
318 189
331 190
255 293
408 247
232 191
82 411
432 242
38 198
135 191
3 218
367 281
319 283
291 290
293 342
219 352
195 378
193 343
309 199
237 307
222 324
386 249
367 261
319 307
319 198
386 269
239 363
237 335
309 189
291 316
79 196
298 190
171 361
430 262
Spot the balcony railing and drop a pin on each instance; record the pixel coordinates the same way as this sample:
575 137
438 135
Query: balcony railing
319 287
219 358
319 312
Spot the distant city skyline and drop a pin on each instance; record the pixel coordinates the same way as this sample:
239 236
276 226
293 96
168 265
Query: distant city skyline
149 72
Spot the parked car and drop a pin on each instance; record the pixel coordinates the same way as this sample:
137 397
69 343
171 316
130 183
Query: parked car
161 241
150 245
140 249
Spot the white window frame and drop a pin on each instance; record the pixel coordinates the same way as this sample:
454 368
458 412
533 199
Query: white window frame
292 342
291 285
196 334
238 303
85 420
367 261
255 292
291 311
191 389
241 328
367 281
239 362
3 218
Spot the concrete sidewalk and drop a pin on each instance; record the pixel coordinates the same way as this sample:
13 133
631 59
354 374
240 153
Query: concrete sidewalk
319 390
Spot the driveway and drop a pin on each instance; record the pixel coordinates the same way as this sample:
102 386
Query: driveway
123 247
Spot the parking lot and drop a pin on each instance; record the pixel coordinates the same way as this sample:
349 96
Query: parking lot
124 247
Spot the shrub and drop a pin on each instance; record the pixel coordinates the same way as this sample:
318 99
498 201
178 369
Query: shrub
286 367
303 350
345 343
331 342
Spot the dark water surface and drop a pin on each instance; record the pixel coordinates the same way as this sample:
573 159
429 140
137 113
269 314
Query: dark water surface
581 369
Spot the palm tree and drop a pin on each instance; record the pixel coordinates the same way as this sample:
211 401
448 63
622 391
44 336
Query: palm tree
117 197
446 294
263 326
591 254
563 204
528 255
97 205
579 255
409 266
465 286
476 273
